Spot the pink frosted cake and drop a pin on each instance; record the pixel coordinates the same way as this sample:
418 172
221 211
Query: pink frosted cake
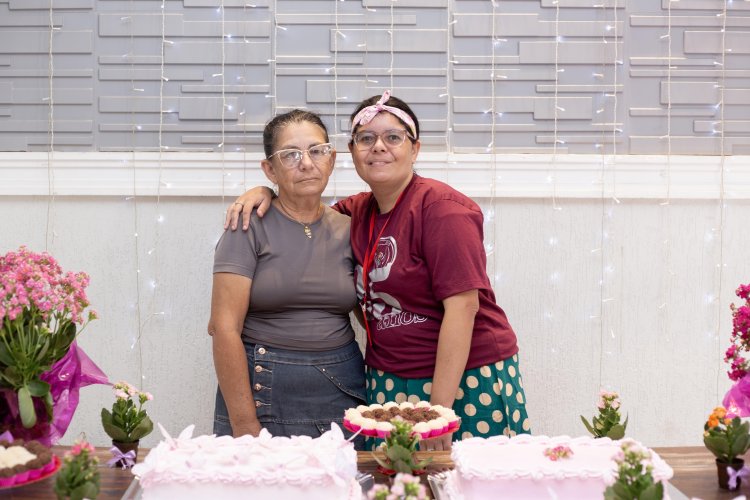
279 468
527 466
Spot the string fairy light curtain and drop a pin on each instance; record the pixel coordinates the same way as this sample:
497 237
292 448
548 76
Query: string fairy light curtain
367 46
50 227
721 105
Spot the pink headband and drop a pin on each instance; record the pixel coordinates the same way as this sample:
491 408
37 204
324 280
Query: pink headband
367 114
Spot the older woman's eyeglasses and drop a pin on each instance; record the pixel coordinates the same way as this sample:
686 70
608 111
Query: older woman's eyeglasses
392 138
291 158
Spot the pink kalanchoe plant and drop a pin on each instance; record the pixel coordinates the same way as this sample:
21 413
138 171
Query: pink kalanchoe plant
607 423
128 421
42 310
405 487
635 474
79 476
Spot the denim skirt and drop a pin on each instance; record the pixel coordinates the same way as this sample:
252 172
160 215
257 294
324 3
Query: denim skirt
299 393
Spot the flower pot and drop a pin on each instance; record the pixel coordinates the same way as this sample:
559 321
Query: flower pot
10 419
723 474
125 448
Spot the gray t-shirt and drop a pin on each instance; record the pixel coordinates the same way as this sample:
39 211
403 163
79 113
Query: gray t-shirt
303 288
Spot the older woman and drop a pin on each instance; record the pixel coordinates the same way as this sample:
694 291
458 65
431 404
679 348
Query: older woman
434 329
284 349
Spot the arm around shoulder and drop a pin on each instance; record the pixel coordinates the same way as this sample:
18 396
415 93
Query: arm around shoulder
259 197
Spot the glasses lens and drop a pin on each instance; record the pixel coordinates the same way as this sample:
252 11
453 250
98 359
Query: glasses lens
290 157
391 138
365 140
320 153
394 137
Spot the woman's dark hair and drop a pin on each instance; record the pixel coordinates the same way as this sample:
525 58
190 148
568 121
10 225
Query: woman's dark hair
280 121
394 102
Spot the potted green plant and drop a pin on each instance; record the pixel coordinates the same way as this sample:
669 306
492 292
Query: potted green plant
42 311
607 423
404 487
727 438
79 477
635 480
127 423
400 448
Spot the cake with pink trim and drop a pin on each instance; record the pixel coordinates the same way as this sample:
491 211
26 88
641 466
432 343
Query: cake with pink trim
427 420
21 462
229 468
526 466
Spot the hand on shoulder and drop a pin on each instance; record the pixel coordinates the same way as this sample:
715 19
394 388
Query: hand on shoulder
258 197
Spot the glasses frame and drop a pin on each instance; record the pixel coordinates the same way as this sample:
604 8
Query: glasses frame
406 133
302 151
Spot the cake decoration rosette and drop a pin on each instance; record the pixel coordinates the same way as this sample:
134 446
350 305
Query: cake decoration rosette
429 421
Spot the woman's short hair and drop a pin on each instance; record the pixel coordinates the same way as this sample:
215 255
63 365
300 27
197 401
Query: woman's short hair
392 101
278 122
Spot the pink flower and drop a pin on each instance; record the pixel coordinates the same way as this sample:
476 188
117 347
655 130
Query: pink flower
36 283
79 447
730 353
740 338
558 452
608 399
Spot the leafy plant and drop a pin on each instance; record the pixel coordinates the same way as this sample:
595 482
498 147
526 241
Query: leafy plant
635 480
607 423
400 448
40 308
405 487
725 437
127 422
79 476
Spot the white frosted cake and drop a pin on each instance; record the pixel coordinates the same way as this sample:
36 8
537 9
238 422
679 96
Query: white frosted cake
510 468
279 468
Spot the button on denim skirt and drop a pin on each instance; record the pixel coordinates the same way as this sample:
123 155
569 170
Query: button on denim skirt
299 393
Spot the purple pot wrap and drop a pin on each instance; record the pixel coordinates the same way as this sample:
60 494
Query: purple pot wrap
737 399
66 377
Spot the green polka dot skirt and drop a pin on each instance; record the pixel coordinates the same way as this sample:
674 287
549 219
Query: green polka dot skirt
490 399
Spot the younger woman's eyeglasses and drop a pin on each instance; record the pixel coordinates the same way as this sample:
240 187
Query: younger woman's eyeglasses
392 138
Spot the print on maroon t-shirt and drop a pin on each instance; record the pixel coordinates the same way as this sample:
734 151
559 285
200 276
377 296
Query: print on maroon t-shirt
384 308
430 249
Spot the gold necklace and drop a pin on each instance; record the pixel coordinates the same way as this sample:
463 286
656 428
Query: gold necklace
305 225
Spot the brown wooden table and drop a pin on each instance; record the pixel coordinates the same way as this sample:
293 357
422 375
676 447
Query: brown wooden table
694 474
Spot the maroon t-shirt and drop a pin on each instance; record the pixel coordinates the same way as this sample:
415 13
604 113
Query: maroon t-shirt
431 248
